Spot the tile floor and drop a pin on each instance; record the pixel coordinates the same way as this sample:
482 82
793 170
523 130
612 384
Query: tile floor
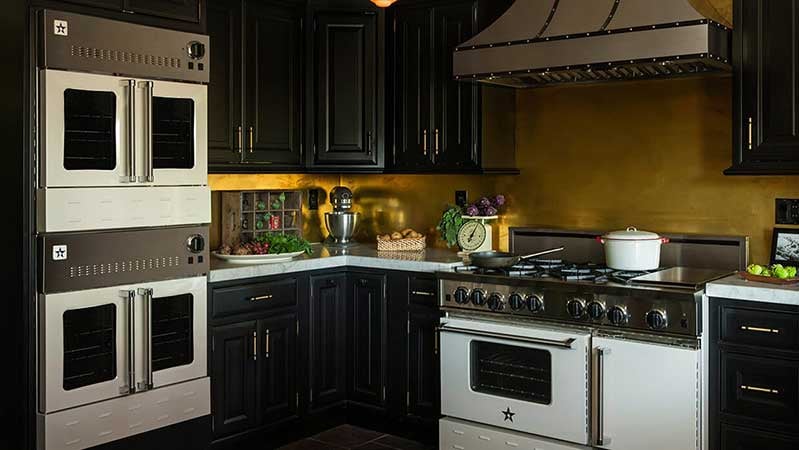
348 437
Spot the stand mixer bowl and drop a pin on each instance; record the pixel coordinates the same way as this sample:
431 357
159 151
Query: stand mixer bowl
341 226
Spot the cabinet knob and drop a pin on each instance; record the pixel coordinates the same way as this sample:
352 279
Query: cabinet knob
363 282
331 282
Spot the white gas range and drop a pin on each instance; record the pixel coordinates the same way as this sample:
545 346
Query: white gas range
554 356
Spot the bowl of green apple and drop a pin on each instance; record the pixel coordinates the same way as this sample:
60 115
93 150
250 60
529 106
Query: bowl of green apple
774 273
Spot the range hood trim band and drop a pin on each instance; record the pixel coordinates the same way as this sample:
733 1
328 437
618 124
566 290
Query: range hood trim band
594 34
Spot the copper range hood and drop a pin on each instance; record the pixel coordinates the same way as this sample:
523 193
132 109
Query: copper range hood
545 42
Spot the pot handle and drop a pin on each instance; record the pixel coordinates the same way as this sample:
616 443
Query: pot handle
665 240
600 240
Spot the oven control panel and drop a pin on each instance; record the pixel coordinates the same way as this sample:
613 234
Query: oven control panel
643 310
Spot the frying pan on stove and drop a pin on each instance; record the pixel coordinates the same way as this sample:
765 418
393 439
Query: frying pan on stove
504 260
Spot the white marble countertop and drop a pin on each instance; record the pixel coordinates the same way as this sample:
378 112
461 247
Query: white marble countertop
736 288
431 260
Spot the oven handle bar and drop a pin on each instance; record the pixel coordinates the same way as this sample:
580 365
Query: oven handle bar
132 131
148 135
130 298
601 440
147 294
566 343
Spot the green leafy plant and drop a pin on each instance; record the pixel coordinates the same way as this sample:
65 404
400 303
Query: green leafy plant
451 221
284 243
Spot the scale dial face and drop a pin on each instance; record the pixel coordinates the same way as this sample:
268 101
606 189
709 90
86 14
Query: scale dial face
472 235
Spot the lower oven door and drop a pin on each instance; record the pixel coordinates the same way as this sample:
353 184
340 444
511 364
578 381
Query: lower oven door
523 378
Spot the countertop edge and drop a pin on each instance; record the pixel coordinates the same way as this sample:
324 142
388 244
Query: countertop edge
735 288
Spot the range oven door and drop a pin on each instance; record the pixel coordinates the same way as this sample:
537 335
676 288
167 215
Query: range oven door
523 378
98 344
105 131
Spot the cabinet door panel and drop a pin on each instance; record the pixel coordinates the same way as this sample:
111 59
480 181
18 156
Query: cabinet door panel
116 5
346 114
423 395
413 84
273 89
185 10
368 335
278 368
734 438
224 89
328 338
456 103
233 378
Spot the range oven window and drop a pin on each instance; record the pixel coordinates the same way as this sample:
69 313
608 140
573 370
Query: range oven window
173 133
89 346
173 331
512 372
89 130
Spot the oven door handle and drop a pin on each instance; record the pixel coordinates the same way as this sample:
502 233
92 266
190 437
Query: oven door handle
147 351
601 439
566 343
148 133
130 305
131 175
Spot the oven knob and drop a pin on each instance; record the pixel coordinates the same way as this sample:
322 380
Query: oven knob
479 297
535 303
196 50
657 319
195 243
495 302
618 315
576 308
596 310
461 295
516 301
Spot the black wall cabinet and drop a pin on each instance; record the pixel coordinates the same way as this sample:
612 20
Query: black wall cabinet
766 117
225 126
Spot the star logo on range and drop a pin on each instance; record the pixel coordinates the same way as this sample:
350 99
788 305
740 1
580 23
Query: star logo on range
61 28
508 414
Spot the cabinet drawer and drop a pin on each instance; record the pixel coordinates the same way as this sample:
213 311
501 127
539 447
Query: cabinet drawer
423 290
253 297
759 388
734 438
768 329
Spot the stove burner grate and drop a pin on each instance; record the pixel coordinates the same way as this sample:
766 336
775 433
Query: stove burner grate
559 269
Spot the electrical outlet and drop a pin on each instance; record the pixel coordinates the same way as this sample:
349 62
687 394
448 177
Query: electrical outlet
461 198
313 199
787 211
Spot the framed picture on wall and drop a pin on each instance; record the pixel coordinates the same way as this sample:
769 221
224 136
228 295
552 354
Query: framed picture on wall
785 247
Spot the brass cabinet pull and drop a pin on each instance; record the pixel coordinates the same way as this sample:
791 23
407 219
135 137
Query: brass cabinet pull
266 347
369 143
760 389
239 137
255 346
261 297
759 329
424 142
750 133
250 134
437 147
427 294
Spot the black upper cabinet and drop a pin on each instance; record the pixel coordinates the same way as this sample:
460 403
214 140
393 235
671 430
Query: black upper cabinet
766 100
273 88
278 368
183 10
346 90
233 369
367 317
116 5
328 340
225 134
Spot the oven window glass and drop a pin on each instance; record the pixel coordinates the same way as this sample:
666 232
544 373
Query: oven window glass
173 331
89 130
89 346
173 133
512 372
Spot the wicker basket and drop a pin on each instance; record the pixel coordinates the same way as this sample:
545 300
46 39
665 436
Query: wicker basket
402 245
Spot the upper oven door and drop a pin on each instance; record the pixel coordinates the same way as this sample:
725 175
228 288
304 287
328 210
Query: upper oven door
84 347
173 338
84 129
173 139
527 379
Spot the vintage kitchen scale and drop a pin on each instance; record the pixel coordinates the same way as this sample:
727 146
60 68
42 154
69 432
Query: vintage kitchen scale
476 234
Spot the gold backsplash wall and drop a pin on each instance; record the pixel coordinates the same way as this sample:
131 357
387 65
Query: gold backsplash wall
604 156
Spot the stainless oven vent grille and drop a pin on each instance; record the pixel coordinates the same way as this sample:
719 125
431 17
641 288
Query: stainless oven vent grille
112 268
123 57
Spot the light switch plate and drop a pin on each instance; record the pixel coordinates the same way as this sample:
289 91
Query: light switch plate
787 211
313 199
461 197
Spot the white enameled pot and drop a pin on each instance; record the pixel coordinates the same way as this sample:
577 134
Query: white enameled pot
631 249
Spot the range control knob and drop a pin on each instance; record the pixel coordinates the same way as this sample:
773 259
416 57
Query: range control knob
617 315
196 50
461 295
596 310
576 308
657 319
535 303
516 301
495 302
478 297
195 243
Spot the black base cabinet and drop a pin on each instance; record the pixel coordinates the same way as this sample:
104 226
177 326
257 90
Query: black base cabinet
754 375
294 354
